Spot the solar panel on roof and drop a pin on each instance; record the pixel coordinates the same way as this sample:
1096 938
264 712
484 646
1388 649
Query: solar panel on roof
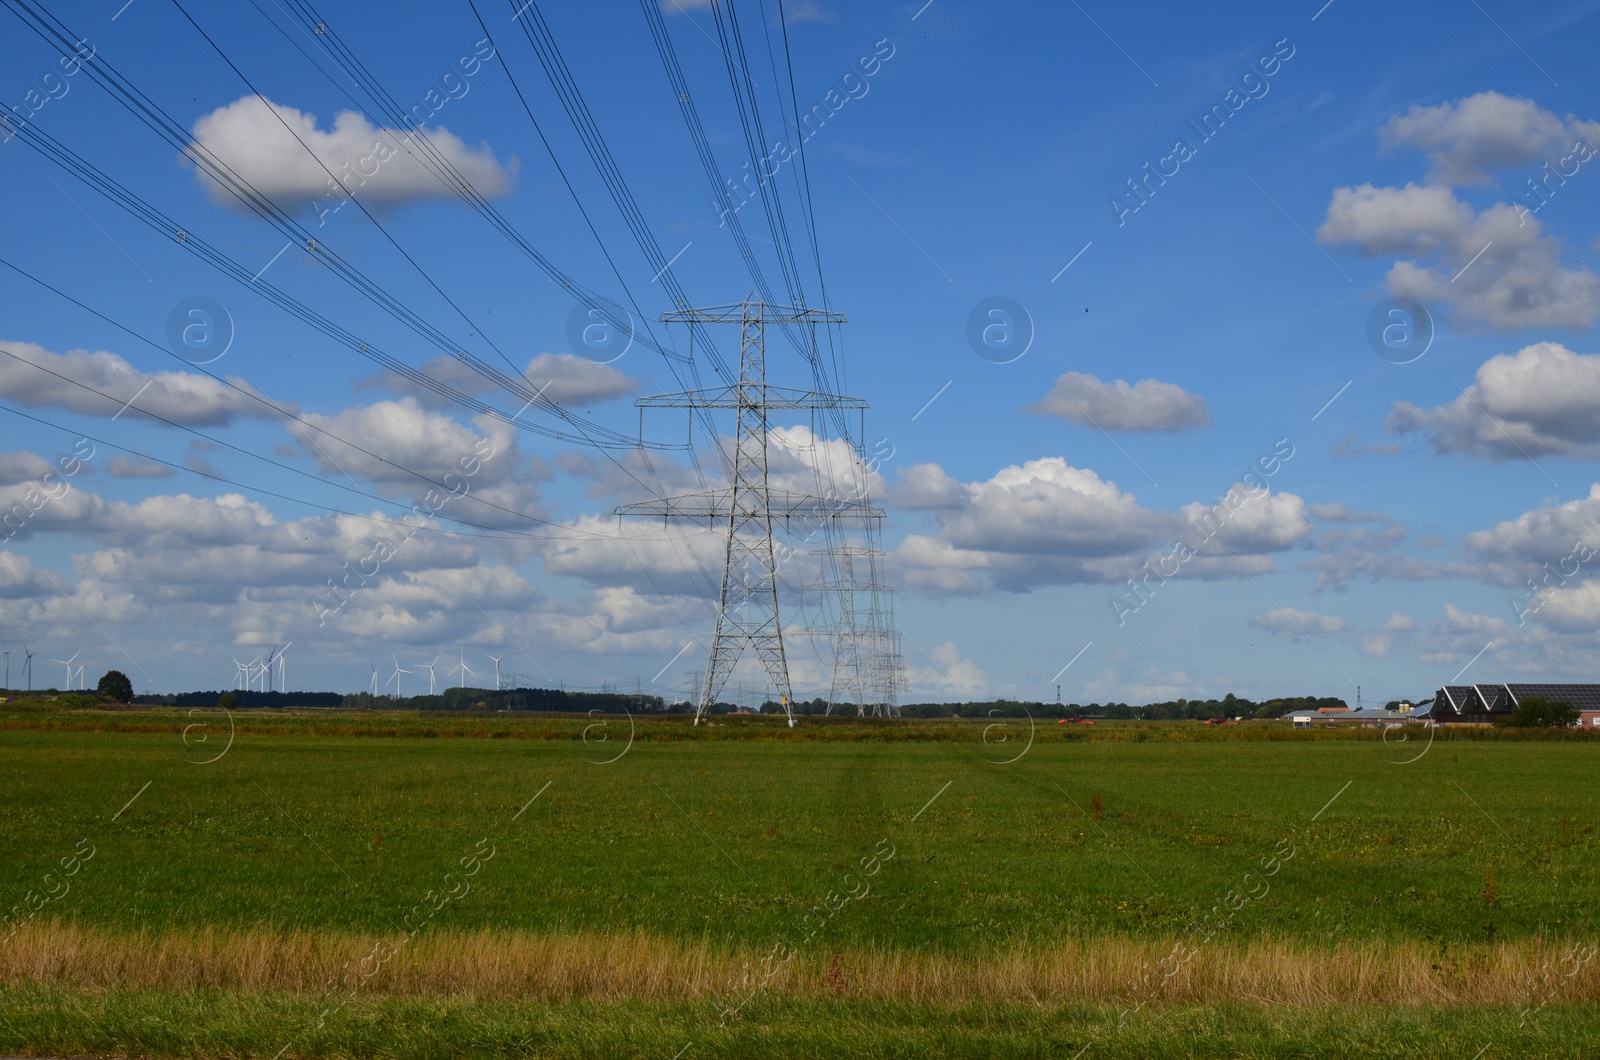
1469 702
1583 697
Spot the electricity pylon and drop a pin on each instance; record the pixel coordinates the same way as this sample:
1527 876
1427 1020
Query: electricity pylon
747 611
866 656
889 670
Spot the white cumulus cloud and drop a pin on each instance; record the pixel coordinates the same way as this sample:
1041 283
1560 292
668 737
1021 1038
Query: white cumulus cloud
562 377
1544 399
1494 266
1046 522
1469 140
38 378
1293 622
271 146
1148 405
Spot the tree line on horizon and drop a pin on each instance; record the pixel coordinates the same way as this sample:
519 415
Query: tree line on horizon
1534 712
563 701
1228 707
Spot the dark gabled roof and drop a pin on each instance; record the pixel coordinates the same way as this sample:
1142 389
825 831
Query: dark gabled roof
1464 699
1584 697
1482 699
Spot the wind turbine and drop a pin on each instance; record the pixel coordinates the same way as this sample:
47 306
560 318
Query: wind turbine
463 668
497 659
27 664
374 679
81 685
241 676
266 670
283 667
395 677
68 664
429 667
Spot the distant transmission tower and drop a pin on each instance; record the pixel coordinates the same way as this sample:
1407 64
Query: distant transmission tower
747 612
849 671
888 671
866 652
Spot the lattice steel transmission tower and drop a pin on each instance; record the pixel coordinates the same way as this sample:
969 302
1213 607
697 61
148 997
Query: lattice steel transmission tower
747 611
888 672
867 663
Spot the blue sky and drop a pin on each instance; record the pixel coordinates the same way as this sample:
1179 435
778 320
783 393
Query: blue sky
1368 153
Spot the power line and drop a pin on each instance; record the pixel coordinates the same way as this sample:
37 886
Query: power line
499 534
451 177
459 353
743 87
542 41
169 130
263 207
378 93
578 113
98 180
748 109
697 134
260 399
802 177
267 459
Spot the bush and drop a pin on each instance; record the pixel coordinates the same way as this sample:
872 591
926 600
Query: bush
1541 712
115 685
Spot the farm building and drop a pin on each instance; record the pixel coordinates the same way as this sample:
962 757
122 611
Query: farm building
1482 704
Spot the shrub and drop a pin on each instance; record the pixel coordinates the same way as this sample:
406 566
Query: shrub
115 685
1541 712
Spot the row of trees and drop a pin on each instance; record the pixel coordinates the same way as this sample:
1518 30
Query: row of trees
243 699
542 699
113 685
1230 706
1532 712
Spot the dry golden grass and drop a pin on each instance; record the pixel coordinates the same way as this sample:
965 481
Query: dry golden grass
603 967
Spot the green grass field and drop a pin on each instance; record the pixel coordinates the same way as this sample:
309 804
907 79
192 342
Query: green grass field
820 846
202 1024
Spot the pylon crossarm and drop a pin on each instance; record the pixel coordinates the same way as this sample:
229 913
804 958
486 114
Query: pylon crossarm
718 505
751 312
746 396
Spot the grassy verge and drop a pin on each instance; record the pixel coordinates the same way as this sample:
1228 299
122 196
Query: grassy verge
51 1021
504 965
